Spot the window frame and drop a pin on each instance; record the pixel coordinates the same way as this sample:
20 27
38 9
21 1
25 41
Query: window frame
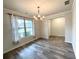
29 27
25 28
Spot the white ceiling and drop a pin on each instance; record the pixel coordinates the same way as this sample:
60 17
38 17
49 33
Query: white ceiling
47 7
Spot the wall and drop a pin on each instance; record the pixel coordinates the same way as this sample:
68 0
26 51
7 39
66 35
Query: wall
7 37
68 28
6 32
76 22
58 27
44 29
37 28
49 27
68 24
74 27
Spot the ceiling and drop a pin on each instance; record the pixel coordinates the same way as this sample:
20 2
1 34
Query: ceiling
29 7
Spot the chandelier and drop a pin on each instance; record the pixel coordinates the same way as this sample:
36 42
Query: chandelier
38 16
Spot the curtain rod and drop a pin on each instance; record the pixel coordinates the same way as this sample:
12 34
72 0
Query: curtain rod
19 15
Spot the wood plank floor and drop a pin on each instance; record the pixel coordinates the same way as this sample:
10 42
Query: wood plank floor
54 48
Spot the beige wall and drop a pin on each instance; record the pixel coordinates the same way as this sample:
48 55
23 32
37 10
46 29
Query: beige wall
68 28
74 26
44 28
7 43
49 27
58 26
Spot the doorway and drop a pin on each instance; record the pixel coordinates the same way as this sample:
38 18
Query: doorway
57 28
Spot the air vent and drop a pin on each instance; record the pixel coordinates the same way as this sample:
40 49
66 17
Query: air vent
67 2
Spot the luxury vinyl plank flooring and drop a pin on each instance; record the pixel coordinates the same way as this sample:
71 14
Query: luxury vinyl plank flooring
54 48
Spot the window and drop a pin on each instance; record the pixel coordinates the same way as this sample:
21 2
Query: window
21 30
25 27
21 27
29 27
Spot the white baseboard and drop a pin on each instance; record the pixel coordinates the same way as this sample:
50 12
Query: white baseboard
68 42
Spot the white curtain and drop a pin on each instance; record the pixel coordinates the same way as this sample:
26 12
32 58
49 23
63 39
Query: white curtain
15 34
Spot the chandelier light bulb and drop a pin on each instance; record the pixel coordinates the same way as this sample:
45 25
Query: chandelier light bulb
43 17
39 15
35 17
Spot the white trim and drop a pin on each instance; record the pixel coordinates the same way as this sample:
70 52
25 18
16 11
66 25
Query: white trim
68 42
14 12
57 15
